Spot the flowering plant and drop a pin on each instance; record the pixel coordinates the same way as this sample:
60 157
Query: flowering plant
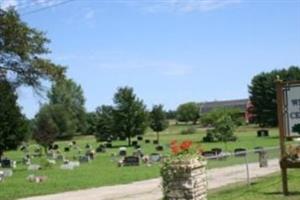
184 149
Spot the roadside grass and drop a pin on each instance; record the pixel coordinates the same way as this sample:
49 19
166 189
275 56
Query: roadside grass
104 171
267 188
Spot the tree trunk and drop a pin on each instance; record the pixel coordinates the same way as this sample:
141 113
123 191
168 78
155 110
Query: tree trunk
157 137
129 141
1 153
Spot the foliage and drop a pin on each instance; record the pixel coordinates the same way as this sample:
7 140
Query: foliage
188 112
22 52
223 130
104 123
91 123
13 125
296 128
45 128
158 120
130 114
171 114
53 122
210 118
67 94
263 94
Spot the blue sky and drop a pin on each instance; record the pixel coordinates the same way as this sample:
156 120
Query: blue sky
170 51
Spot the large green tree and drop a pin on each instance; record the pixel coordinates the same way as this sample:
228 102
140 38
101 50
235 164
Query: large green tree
22 53
188 112
130 114
13 125
263 94
67 94
158 120
104 123
45 129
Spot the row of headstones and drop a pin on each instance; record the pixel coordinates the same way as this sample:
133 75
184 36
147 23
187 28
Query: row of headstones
239 152
135 160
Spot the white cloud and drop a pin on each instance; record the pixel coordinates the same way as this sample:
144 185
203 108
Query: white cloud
5 4
184 5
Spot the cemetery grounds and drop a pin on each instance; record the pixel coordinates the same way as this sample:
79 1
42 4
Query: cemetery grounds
104 171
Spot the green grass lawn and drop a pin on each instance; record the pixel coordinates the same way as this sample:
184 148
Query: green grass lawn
103 171
263 189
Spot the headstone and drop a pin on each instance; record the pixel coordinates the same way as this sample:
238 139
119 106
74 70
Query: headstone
74 142
131 161
34 167
263 133
101 149
147 141
140 138
60 157
88 146
122 151
7 163
159 148
108 145
84 159
26 160
1 176
7 172
67 149
217 151
137 146
155 141
138 153
208 154
154 157
55 147
240 152
90 154
258 149
134 143
36 179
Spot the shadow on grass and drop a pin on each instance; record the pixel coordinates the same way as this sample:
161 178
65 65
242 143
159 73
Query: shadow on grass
280 193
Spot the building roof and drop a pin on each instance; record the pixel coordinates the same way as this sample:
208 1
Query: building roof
238 103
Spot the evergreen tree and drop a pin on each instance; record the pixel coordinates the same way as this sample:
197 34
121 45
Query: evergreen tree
13 125
263 94
104 123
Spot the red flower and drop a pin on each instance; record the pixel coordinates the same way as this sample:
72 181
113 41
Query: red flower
185 145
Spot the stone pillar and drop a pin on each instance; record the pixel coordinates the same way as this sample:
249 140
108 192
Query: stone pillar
263 159
184 180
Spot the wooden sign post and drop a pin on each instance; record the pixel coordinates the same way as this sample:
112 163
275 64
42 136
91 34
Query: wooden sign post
288 110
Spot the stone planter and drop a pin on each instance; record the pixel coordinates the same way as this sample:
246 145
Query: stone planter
184 179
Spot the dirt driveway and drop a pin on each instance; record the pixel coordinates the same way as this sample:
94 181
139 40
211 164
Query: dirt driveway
151 189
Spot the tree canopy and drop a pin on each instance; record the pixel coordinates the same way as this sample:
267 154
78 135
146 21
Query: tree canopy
13 124
66 94
158 120
130 113
188 112
263 94
104 123
22 53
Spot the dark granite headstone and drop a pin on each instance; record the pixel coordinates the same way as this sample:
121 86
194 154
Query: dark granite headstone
109 145
140 138
240 152
147 141
134 143
155 141
159 148
131 161
66 149
208 154
217 151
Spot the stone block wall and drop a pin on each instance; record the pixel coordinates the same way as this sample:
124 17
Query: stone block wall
185 180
